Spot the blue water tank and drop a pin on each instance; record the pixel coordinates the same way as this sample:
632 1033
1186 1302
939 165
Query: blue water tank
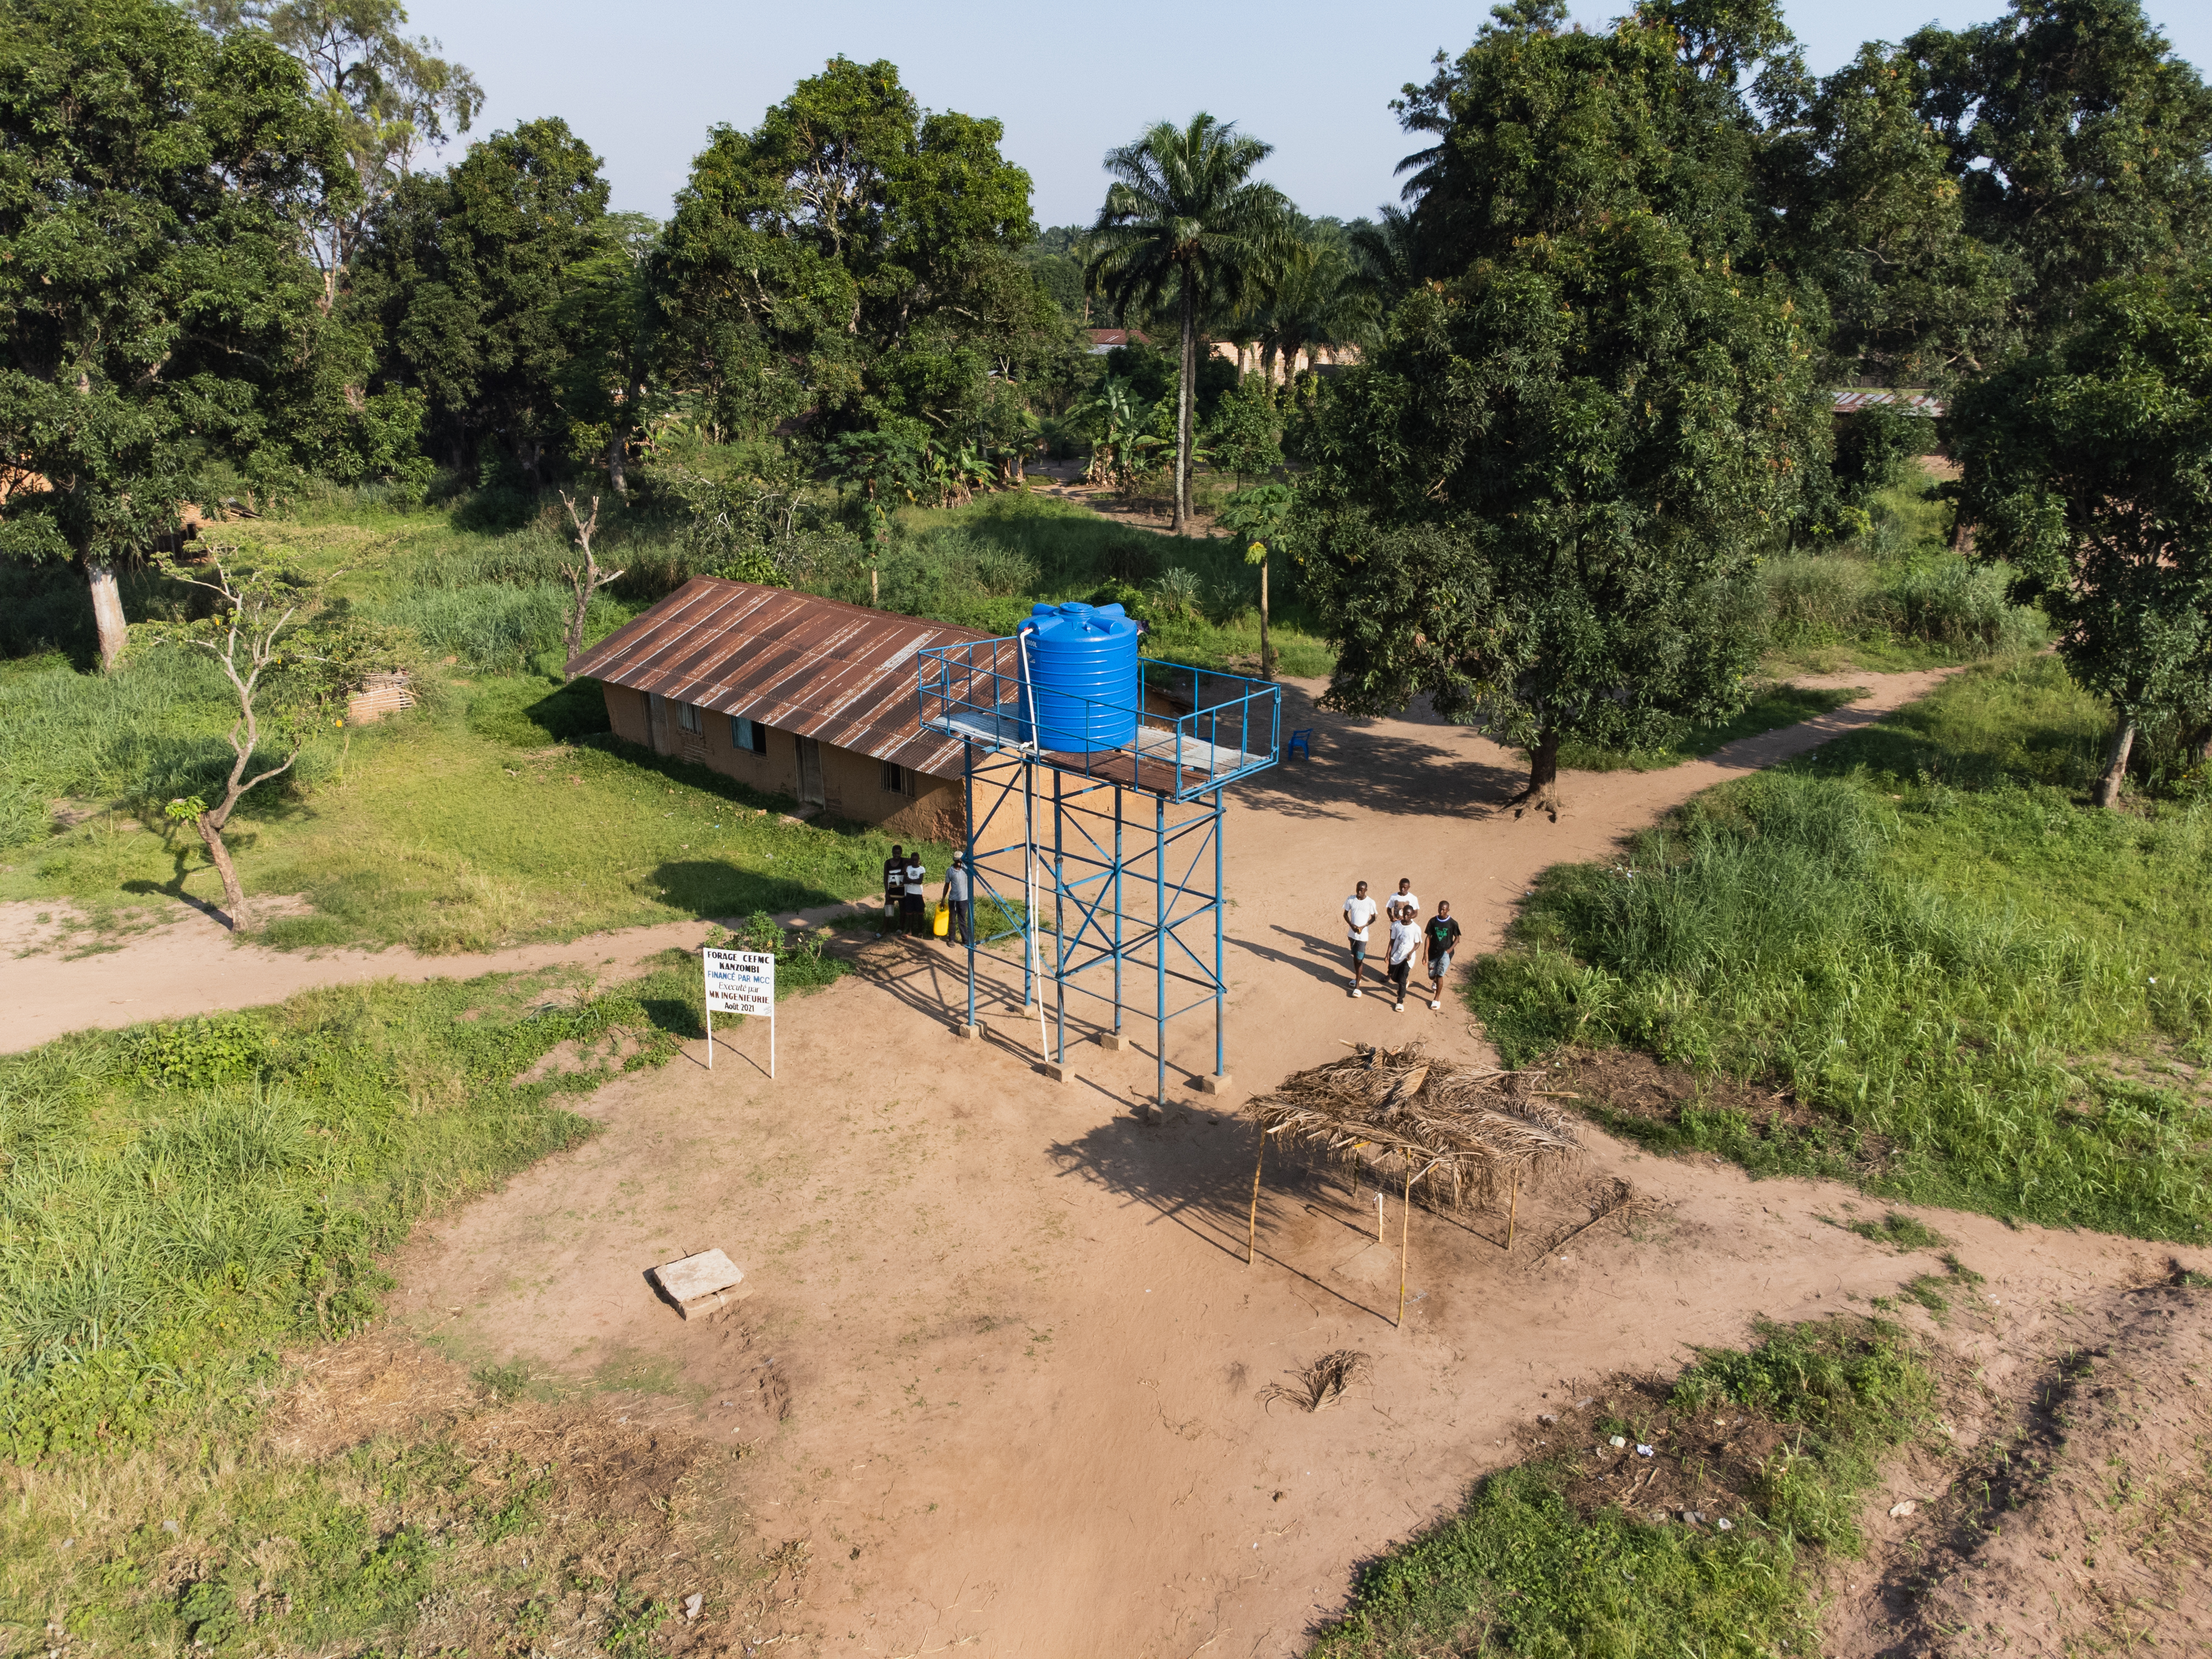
1083 677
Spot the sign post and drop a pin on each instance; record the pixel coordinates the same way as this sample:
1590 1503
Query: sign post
740 983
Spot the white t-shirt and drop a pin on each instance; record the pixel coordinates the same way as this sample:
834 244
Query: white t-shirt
1404 936
1359 912
915 876
1406 902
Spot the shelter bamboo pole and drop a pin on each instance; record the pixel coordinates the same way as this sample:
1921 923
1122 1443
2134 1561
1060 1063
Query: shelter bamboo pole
1378 1215
1405 1231
1252 1225
1512 1207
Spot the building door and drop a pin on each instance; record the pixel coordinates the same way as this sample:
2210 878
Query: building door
809 772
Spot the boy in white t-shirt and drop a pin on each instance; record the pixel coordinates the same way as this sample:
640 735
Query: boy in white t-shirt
1405 939
1404 905
1358 917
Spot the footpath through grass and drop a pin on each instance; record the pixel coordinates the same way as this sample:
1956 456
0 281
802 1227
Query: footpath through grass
1555 1558
1923 935
184 1205
1773 708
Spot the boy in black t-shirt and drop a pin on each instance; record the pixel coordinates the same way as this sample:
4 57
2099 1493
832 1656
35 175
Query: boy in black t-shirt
1440 935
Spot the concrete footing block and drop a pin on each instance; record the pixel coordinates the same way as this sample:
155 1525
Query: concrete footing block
1217 1083
969 1032
1112 1042
1059 1073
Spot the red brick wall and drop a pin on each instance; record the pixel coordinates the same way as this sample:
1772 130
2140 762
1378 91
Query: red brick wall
852 783
626 713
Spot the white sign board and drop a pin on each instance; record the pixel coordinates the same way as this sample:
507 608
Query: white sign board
740 983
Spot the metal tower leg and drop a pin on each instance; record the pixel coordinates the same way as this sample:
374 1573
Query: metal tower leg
1220 980
975 882
1160 950
1117 909
1059 923
1030 992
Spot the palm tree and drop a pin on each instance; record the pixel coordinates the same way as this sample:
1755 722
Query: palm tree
1388 256
1184 214
1315 297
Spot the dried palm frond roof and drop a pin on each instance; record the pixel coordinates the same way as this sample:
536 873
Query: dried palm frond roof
1455 1132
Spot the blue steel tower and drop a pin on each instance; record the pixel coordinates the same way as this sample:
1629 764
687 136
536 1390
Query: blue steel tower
1117 766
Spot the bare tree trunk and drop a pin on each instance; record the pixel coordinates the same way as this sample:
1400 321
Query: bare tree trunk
1267 651
588 581
2116 765
1182 515
234 895
617 457
107 612
1268 364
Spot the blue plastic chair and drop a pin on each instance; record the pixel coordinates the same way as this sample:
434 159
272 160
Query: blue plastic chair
1301 744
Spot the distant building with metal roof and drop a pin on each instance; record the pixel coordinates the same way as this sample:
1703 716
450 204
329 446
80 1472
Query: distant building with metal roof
1104 340
1916 403
789 693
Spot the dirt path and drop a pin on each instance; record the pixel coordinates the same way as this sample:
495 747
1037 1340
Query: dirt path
190 965
1417 790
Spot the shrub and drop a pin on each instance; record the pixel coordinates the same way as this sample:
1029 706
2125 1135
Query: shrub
1948 600
487 625
1814 599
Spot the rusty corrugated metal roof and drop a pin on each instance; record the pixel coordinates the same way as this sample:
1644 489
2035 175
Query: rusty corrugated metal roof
840 673
1917 403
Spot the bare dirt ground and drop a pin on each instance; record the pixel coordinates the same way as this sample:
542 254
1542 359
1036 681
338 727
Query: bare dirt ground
2069 1509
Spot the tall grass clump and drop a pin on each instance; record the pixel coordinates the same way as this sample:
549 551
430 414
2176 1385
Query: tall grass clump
1855 949
1531 1566
487 625
153 728
178 1200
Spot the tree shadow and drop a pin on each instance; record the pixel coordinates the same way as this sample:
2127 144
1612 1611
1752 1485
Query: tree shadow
1358 761
1197 1174
710 888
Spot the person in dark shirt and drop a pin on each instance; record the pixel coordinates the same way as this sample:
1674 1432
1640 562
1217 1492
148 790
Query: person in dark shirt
1440 935
894 882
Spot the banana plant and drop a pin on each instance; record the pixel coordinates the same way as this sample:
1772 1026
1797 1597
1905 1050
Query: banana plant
1117 414
1260 516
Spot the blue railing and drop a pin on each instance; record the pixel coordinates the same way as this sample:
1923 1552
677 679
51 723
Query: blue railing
980 691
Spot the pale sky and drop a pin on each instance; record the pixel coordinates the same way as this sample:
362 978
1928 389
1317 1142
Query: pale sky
642 82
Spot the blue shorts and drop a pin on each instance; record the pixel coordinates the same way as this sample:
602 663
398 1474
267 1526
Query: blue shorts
1358 949
1439 966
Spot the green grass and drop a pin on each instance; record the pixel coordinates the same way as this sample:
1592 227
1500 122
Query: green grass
1897 598
180 1198
1923 935
1902 1233
1536 1564
194 1212
1771 708
503 812
983 566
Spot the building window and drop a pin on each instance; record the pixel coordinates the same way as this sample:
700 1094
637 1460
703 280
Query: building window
687 717
748 735
897 780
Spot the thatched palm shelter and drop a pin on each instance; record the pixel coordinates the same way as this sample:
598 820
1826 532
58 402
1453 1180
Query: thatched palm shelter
1457 1135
